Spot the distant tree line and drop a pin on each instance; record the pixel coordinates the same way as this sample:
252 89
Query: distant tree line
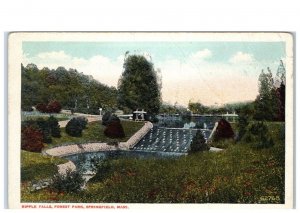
71 89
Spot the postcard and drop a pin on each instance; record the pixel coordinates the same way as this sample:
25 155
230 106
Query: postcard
132 120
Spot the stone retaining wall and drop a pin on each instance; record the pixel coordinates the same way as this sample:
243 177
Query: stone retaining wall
139 135
66 150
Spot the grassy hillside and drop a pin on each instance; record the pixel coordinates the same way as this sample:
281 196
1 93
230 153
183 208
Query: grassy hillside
35 166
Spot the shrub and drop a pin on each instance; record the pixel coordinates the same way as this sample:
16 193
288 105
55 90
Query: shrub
108 118
54 107
41 107
103 167
43 125
114 130
74 127
223 130
198 143
27 108
243 122
71 182
31 139
83 121
105 118
258 135
54 127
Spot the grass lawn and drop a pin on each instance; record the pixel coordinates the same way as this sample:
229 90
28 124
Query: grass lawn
95 133
239 174
35 166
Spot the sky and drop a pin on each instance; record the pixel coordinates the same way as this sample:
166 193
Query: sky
212 73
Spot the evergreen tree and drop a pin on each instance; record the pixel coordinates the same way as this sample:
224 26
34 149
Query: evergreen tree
138 86
198 143
54 127
266 103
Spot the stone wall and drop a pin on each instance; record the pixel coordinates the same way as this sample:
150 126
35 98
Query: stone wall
131 142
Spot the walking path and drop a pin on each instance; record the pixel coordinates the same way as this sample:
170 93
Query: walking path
90 118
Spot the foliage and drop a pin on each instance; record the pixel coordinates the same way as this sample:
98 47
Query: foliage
31 139
71 182
54 126
197 108
70 88
198 143
41 107
36 166
74 127
108 117
270 103
48 128
114 130
243 122
27 108
280 93
258 134
139 86
44 126
54 107
95 133
223 130
103 168
83 121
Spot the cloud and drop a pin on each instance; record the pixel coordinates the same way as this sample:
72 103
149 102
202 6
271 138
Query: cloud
243 58
201 55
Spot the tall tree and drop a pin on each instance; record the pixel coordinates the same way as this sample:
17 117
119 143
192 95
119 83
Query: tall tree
138 86
267 103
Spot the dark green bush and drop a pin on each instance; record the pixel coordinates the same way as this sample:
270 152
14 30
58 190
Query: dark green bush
198 143
54 127
45 128
108 118
83 121
71 182
258 134
74 127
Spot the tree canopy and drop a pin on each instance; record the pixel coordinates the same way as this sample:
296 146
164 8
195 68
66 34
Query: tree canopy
139 86
69 87
270 103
